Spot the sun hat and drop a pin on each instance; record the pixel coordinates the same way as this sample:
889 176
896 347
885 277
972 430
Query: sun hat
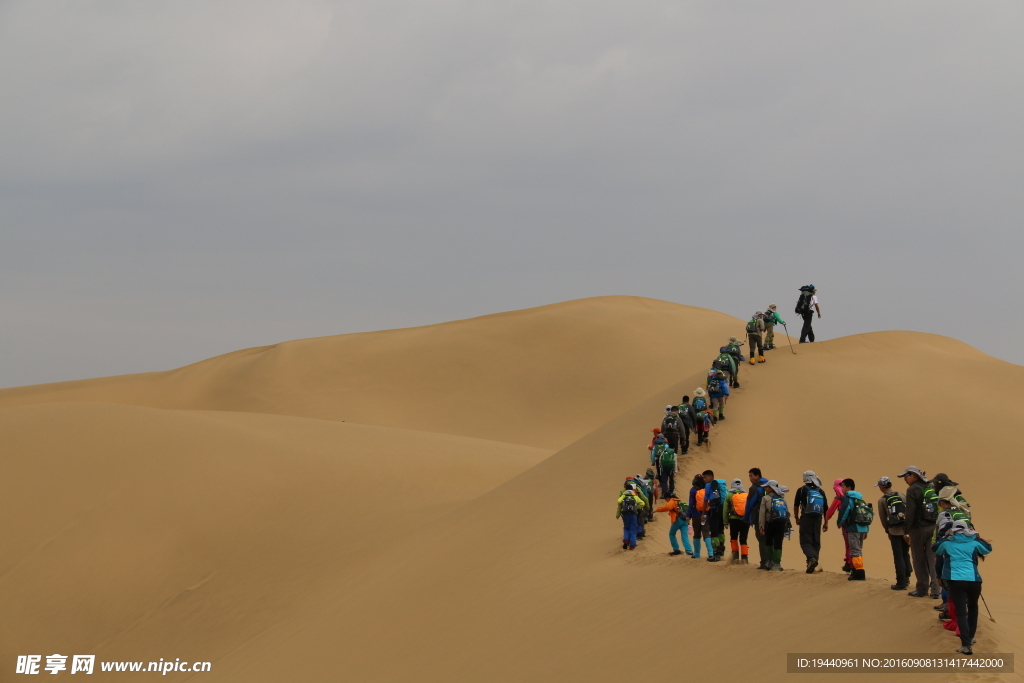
699 392
772 307
811 478
737 485
911 469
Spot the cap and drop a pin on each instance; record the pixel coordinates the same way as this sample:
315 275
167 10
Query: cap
884 481
913 470
942 479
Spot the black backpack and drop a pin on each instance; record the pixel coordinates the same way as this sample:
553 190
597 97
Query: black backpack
671 423
896 510
714 386
803 304
629 505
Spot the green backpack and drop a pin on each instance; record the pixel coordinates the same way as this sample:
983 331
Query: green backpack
863 514
666 456
752 326
930 510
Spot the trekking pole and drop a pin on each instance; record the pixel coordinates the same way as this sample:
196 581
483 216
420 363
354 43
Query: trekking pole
986 608
789 338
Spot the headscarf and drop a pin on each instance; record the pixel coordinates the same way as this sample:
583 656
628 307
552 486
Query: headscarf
778 488
811 478
737 486
960 527
837 486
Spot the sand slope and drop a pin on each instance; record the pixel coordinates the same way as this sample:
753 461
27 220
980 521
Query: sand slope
540 377
233 537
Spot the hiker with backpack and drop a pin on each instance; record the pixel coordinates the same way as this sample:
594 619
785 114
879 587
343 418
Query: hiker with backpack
922 516
837 502
640 486
809 506
672 428
688 415
951 511
892 512
771 319
855 520
629 506
725 362
718 391
695 513
666 459
806 306
773 519
714 504
755 333
753 509
960 549
677 511
702 416
736 504
942 481
733 349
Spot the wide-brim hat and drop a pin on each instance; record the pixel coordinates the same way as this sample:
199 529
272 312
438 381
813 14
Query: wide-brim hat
911 469
699 392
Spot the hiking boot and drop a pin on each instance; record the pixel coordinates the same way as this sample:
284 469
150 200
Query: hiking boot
676 552
777 568
760 359
918 594
899 587
744 559
965 650
857 575
812 563
632 547
752 360
735 556
847 567
935 596
625 544
714 558
721 417
736 385
943 615
939 608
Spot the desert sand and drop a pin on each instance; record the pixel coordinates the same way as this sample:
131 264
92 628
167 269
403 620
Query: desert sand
437 503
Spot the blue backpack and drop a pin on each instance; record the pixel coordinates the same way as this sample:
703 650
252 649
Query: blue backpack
815 504
700 404
779 509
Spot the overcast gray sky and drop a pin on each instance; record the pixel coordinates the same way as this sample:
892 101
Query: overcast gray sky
183 179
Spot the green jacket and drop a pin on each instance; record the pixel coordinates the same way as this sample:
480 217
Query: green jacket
772 318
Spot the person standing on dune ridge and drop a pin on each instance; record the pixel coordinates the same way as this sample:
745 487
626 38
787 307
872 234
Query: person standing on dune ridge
774 521
806 306
672 427
689 417
837 486
922 516
736 504
855 520
771 319
892 513
809 505
755 333
753 509
629 506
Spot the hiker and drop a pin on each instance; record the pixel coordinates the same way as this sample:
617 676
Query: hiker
655 433
736 504
702 415
725 362
697 519
688 415
677 510
630 504
892 511
643 493
960 549
809 505
733 349
951 510
771 319
718 391
672 428
713 511
651 479
755 333
837 486
774 522
666 458
657 446
750 516
806 305
942 481
855 520
922 515
646 485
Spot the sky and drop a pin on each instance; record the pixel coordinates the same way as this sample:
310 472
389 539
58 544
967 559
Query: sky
180 180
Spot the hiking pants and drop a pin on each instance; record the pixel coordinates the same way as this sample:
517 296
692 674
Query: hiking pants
717 405
685 440
673 440
810 536
753 340
769 334
774 534
901 559
679 526
806 333
924 559
667 477
761 550
738 529
856 540
629 528
964 595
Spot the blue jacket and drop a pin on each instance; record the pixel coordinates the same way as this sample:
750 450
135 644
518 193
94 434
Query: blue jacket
846 510
754 499
961 557
692 512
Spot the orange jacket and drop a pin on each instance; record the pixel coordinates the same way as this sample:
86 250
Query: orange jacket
671 508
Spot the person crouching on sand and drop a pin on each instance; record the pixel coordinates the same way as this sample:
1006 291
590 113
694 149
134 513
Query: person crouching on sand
677 510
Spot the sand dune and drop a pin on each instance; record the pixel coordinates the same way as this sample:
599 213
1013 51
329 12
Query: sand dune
236 537
540 377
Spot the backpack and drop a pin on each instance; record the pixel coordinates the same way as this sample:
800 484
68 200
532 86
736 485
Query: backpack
629 505
896 510
779 509
930 509
714 385
717 494
722 364
862 513
739 503
815 502
682 508
671 423
667 457
700 405
752 326
803 304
